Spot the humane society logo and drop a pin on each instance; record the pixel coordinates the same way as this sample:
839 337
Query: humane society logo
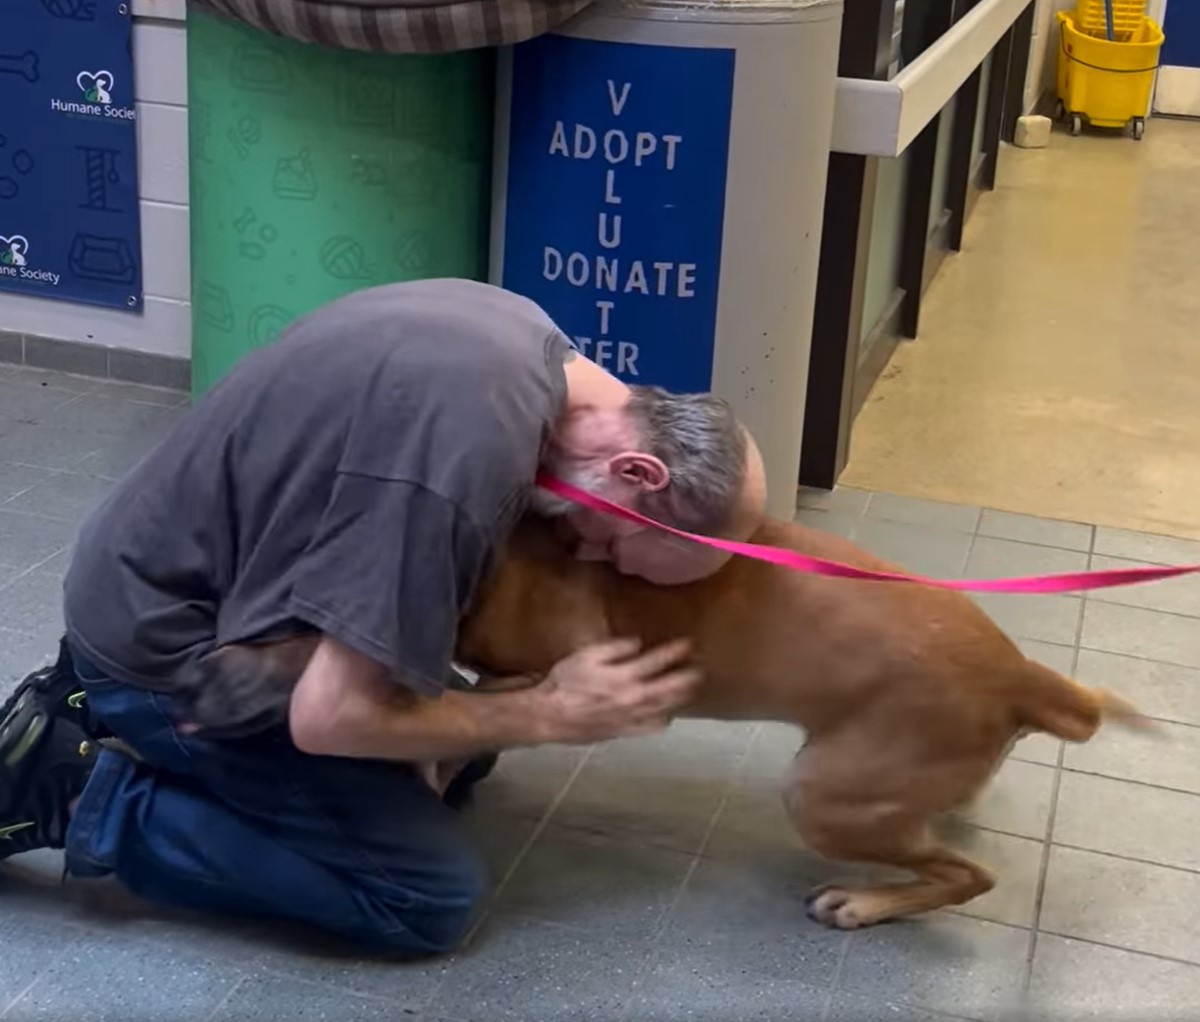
14 262
96 89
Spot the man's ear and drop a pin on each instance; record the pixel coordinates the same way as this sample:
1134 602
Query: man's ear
644 471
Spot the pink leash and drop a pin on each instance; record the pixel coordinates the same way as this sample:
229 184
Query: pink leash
1075 581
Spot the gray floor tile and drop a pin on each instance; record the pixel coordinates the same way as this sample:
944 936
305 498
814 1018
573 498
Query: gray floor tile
661 791
945 963
1146 547
33 943
28 540
1159 690
16 479
1144 633
1045 618
1174 595
753 826
1169 756
920 549
19 655
1043 748
33 604
66 496
828 521
1038 748
1126 904
526 781
118 456
141 394
595 883
916 511
1077 982
500 836
1132 820
31 404
522 969
843 499
98 413
740 946
272 998
31 377
1004 558
847 1008
1017 801
1017 863
46 447
118 981
771 751
1057 657
1031 529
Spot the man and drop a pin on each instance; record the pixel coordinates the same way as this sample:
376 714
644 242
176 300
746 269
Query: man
356 479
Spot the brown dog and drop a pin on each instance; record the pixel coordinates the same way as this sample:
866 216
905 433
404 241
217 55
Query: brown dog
910 696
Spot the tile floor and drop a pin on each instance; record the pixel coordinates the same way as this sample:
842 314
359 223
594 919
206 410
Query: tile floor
656 880
1055 369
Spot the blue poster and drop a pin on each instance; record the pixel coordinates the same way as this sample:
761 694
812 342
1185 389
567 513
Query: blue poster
69 225
616 200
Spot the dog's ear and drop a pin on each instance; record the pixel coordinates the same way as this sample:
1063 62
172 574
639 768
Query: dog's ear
235 691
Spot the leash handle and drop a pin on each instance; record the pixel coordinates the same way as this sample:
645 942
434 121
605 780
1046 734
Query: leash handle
1069 582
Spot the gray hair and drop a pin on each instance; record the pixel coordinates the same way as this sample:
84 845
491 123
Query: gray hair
701 442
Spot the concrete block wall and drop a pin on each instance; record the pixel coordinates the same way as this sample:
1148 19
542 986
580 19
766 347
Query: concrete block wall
160 90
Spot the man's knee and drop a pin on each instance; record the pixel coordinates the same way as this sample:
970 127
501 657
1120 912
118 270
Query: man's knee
436 918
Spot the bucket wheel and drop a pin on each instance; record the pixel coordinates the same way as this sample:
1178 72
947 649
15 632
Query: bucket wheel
1076 124
1138 127
1060 110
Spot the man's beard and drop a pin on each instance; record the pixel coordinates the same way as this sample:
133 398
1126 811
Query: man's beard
550 505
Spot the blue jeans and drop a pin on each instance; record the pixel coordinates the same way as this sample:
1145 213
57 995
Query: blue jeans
255 827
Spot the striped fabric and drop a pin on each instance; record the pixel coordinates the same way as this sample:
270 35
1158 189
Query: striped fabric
401 26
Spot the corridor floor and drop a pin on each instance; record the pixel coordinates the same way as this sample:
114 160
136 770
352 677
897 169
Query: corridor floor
1057 365
656 880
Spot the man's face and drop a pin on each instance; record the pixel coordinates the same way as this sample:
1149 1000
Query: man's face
632 549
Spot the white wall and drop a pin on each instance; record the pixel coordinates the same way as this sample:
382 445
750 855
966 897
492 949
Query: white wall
160 89
1043 52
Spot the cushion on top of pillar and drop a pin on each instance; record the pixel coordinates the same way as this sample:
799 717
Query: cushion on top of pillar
401 26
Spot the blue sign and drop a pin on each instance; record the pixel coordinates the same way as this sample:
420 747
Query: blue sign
616 200
69 225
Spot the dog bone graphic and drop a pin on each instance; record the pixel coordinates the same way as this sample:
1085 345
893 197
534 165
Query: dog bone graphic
24 64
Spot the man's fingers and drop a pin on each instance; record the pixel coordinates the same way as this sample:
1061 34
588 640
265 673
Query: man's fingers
668 692
662 658
615 649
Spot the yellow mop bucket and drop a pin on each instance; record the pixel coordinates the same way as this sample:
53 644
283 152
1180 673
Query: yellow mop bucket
1093 17
1103 82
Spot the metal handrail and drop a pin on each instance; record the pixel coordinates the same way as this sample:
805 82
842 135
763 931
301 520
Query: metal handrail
876 118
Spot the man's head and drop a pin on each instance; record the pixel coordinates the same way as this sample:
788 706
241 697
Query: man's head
682 459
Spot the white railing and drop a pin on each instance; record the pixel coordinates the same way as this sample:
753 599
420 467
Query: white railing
873 118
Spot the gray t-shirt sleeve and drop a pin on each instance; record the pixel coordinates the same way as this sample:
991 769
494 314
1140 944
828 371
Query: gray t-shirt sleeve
389 572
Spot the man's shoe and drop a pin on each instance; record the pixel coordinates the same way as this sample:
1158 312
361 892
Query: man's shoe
459 790
45 761
57 689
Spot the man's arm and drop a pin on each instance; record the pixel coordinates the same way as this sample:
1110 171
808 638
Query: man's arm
345 705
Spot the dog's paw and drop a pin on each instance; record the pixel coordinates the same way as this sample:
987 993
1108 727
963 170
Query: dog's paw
834 907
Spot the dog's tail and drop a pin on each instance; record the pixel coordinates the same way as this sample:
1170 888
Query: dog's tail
1056 704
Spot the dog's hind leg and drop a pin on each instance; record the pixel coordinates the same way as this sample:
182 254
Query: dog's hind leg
856 815
943 878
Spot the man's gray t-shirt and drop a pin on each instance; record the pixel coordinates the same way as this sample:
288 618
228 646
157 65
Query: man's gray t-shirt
356 477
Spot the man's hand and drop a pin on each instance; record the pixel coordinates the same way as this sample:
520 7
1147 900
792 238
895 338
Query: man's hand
614 690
